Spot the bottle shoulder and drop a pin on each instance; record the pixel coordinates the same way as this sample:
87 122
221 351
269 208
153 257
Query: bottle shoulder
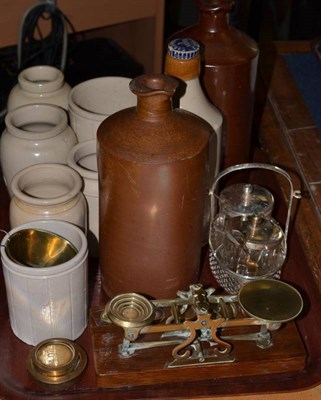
230 46
181 135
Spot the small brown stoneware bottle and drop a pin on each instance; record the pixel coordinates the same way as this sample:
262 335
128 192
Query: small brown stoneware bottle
229 68
152 162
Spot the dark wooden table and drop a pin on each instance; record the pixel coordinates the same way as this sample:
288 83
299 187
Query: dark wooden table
292 139
280 111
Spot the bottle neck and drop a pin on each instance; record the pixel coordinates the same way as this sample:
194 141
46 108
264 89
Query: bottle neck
214 21
154 96
153 107
182 69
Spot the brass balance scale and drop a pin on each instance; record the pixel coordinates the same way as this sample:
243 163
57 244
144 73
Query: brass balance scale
197 319
204 326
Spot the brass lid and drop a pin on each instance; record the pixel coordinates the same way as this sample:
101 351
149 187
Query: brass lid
39 248
56 361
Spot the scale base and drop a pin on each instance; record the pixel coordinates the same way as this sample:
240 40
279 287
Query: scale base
152 366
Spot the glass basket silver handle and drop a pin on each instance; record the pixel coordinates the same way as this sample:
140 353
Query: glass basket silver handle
293 193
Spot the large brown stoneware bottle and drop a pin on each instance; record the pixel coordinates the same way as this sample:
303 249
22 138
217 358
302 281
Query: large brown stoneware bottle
152 163
229 68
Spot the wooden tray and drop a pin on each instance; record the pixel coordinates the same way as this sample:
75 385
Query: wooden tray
15 383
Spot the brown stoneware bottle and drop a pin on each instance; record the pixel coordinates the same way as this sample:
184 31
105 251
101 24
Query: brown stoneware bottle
152 165
229 68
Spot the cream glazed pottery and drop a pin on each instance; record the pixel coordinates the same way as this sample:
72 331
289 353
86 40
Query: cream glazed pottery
34 134
92 101
47 192
51 301
183 61
39 84
83 159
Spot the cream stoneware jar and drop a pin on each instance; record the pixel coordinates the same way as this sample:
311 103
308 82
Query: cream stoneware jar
39 84
47 192
51 301
83 159
34 134
92 101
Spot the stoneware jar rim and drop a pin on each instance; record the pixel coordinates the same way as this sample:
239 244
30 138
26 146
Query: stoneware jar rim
87 147
54 116
41 78
75 107
75 184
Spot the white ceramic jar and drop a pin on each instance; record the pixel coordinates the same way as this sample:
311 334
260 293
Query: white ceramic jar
50 301
183 61
47 192
34 134
39 84
83 159
92 101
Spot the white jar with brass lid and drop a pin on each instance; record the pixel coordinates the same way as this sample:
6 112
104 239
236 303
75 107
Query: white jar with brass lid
46 300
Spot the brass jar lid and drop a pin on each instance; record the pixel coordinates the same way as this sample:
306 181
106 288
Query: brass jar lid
56 361
38 248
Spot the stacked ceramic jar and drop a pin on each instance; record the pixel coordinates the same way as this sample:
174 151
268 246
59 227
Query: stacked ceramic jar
35 146
46 195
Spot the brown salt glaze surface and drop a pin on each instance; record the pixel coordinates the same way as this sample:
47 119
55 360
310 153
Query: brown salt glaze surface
152 164
228 75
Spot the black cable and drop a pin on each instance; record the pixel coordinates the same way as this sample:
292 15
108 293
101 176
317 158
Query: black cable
35 48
